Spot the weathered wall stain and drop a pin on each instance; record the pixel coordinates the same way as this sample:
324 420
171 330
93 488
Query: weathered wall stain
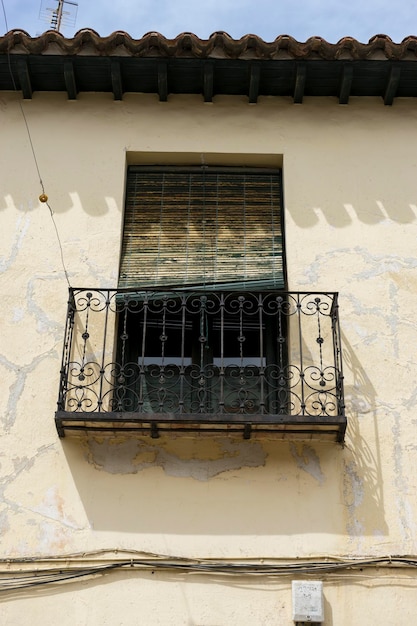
16 389
374 265
17 466
22 225
306 459
406 522
185 458
52 507
353 492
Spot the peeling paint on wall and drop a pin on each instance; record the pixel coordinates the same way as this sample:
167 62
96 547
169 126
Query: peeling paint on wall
185 458
374 265
22 225
16 389
19 465
405 518
52 507
307 460
353 492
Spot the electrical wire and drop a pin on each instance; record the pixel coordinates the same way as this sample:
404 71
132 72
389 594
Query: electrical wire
59 243
43 197
27 578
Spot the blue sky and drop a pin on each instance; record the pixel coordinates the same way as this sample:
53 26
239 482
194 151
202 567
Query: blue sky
331 19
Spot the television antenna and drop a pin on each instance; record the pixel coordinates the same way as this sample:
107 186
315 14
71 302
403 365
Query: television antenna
64 14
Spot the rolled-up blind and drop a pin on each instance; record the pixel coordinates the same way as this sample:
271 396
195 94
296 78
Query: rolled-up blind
202 227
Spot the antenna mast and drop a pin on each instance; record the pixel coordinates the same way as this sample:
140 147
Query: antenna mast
58 16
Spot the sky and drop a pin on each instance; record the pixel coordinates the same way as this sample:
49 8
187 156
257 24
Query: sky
330 19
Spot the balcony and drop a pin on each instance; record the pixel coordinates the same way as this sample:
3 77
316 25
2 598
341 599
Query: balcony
256 363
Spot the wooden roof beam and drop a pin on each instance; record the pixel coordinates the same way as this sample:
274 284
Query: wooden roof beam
163 81
24 79
300 83
254 81
116 80
392 85
69 76
208 81
346 83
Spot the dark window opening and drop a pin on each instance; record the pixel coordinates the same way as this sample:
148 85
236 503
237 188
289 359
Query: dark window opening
203 353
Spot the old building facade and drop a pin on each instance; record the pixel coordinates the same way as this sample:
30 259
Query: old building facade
234 364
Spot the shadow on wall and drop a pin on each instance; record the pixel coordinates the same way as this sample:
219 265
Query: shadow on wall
338 216
218 486
225 485
345 214
362 491
61 203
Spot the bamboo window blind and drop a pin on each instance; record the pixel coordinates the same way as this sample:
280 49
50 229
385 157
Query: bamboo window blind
202 227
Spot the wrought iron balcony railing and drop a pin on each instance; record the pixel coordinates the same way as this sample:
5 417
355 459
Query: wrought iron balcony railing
255 362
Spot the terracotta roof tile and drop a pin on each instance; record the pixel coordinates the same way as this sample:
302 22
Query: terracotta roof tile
219 44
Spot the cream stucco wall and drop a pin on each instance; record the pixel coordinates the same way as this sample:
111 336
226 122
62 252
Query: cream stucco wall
350 199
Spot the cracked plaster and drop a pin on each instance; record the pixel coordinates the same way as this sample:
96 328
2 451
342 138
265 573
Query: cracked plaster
375 265
22 225
40 515
188 459
17 388
306 459
353 492
405 518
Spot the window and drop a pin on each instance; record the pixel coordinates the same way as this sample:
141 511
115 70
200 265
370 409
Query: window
201 249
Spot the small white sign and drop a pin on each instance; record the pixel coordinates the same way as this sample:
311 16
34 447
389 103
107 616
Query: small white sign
307 601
